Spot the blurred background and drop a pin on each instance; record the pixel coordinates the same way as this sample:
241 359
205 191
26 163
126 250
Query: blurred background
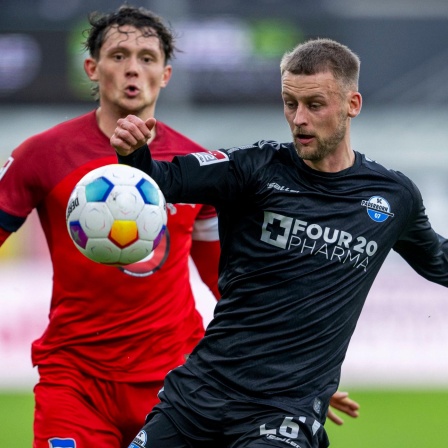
225 91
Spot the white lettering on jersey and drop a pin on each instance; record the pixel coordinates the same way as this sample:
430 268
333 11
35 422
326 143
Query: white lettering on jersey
278 187
5 167
285 232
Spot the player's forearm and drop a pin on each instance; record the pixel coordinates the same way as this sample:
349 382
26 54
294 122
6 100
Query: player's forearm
140 158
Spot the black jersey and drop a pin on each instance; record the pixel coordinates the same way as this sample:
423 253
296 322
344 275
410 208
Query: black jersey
300 251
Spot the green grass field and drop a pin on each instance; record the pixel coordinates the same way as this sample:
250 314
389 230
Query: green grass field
388 419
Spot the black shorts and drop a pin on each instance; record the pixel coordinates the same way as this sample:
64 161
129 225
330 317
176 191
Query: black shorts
194 415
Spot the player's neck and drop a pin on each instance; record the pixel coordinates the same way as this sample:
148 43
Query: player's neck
334 163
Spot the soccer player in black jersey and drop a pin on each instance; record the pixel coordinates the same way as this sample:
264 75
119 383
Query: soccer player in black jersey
304 228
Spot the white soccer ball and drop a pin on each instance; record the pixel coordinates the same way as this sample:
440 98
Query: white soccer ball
116 215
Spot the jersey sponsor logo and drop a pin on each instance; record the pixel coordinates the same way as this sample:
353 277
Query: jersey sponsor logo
6 166
61 443
276 186
378 208
210 157
73 204
290 233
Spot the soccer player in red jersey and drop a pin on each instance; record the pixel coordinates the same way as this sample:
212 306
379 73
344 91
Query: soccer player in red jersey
113 333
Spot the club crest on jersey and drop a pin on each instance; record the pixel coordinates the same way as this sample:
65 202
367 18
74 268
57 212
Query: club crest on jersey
5 167
140 440
209 157
378 208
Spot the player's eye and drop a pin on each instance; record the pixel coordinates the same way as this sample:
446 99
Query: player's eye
147 59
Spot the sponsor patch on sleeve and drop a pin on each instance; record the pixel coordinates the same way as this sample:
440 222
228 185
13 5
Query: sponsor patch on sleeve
209 157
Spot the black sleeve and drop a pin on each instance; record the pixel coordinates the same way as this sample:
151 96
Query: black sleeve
190 178
219 177
140 158
424 249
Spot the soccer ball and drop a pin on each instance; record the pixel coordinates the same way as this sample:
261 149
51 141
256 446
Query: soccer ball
116 215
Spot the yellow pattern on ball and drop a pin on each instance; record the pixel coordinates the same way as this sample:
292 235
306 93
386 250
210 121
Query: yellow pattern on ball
123 233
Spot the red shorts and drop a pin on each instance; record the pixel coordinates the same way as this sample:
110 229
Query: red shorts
77 411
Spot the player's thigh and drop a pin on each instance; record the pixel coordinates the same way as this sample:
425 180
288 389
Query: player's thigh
65 417
159 432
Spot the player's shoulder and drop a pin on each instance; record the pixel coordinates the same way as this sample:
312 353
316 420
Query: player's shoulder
246 158
172 142
65 129
388 174
261 149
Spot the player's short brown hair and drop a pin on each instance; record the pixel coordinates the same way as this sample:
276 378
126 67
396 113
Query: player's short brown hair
321 55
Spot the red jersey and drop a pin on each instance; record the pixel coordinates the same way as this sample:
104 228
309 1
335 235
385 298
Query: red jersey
122 324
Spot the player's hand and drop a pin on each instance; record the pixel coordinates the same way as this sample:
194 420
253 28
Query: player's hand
131 133
343 403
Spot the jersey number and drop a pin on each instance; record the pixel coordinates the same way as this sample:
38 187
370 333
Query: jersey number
288 429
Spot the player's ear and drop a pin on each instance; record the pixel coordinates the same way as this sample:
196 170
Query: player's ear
90 66
166 76
355 104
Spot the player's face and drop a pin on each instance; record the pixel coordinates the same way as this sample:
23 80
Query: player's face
318 112
130 71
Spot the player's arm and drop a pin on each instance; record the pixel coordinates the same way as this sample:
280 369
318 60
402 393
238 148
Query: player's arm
341 401
209 177
425 250
205 250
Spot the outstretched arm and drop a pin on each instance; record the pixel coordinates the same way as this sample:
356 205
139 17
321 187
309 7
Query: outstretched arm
341 402
131 133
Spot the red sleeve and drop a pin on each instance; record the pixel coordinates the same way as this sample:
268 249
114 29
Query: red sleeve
205 255
3 235
207 212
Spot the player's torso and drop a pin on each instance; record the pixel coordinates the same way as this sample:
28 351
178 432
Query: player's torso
294 216
74 158
122 310
301 251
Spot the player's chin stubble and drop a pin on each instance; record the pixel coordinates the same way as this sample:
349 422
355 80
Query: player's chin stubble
324 147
